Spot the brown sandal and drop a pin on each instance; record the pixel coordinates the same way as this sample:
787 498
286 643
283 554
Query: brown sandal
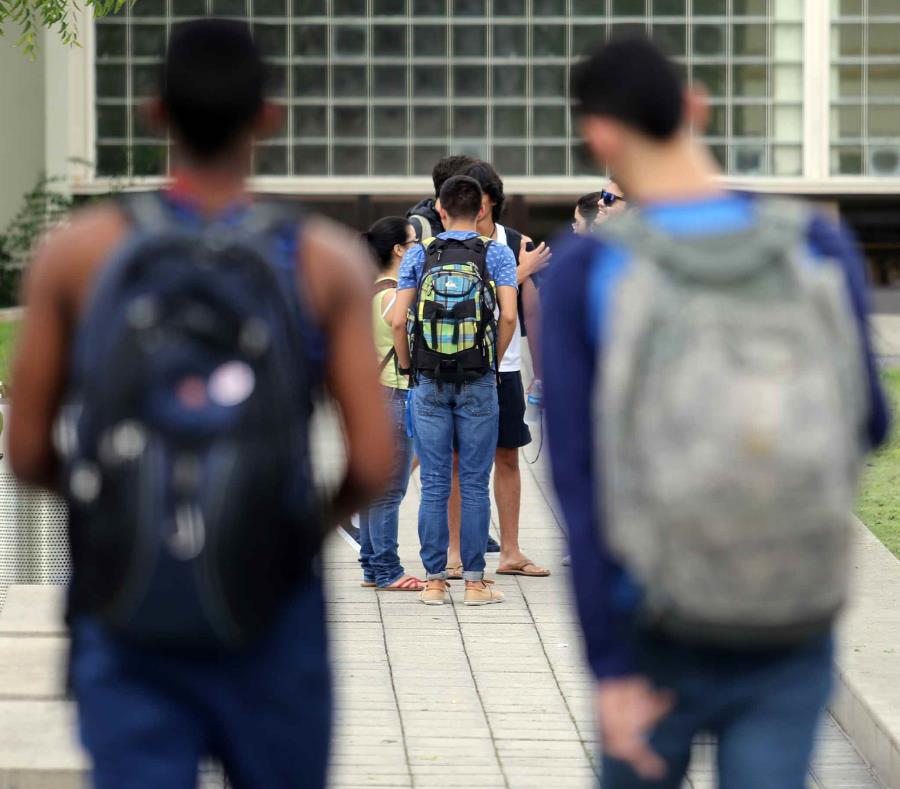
520 568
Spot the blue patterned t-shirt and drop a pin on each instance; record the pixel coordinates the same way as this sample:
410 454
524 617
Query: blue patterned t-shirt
501 263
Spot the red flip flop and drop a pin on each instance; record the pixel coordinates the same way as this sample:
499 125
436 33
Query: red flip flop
406 584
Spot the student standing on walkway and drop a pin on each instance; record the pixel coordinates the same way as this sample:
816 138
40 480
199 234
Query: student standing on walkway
513 433
424 215
593 209
710 392
453 284
389 239
190 327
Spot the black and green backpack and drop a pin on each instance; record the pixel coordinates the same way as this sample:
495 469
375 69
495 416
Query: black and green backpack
452 325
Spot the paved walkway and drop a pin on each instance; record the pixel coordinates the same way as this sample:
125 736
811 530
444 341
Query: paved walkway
495 696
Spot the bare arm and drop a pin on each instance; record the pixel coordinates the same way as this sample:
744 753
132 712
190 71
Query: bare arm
507 297
337 276
404 301
39 369
58 282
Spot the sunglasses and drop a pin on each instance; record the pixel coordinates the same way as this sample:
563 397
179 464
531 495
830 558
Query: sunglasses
609 198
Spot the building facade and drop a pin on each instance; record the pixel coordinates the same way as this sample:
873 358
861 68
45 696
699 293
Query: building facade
805 94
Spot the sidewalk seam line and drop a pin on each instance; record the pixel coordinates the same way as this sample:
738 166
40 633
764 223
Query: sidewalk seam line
587 751
487 720
387 655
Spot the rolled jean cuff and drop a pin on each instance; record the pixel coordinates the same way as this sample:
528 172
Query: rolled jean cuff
473 575
441 576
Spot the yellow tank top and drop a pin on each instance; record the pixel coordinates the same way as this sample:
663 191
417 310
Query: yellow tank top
384 341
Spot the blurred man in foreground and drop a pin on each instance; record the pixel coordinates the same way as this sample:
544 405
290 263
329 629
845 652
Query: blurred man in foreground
710 394
189 329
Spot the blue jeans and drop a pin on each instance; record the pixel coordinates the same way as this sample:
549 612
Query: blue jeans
378 526
762 708
147 718
469 414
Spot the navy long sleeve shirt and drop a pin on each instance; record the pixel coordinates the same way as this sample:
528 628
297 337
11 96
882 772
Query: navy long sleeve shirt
583 267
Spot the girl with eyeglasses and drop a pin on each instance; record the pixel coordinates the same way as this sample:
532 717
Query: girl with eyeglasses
388 240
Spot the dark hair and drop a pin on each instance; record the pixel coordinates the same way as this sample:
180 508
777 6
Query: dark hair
491 184
589 206
212 84
631 80
447 168
382 237
461 197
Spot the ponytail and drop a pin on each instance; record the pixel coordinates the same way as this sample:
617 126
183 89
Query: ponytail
383 236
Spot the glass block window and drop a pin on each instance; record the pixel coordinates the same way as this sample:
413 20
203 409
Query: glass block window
865 88
386 87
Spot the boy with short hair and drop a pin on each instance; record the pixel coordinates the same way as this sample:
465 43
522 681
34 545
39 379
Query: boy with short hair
453 283
710 389
148 714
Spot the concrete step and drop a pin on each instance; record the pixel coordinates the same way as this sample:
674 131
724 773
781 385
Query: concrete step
38 746
33 610
32 667
867 701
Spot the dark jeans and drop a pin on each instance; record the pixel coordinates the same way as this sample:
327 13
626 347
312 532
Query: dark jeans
763 708
379 524
148 718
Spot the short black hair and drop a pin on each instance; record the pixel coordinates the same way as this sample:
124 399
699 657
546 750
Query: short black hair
461 197
491 184
447 168
589 206
631 80
212 84
383 236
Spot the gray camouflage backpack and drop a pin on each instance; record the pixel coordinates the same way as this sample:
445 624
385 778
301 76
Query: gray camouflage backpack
729 415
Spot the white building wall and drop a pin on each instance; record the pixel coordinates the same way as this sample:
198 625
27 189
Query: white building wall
22 123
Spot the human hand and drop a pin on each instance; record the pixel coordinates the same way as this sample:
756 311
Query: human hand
535 260
627 710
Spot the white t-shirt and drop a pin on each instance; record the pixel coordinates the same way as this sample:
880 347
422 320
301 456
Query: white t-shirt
512 359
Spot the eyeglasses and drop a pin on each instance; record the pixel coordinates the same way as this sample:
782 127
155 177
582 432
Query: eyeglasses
609 198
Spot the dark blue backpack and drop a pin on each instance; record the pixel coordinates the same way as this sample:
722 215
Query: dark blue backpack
188 472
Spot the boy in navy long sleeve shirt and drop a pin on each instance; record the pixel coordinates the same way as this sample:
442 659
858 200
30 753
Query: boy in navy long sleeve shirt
657 162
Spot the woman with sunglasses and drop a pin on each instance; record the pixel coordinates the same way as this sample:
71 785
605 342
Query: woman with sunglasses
388 240
593 209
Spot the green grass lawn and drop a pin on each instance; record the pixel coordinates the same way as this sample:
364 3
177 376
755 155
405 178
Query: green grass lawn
879 501
7 337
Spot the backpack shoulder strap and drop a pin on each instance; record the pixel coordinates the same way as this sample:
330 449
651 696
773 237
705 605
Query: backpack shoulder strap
384 284
271 217
423 227
514 242
146 210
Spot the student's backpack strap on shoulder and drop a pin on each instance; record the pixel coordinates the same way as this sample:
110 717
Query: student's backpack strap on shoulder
384 284
423 226
146 210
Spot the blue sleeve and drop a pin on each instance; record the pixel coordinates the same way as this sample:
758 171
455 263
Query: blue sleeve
569 379
501 263
411 268
828 239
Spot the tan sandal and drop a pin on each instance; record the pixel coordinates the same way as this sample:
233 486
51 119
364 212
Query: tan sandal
454 572
521 568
